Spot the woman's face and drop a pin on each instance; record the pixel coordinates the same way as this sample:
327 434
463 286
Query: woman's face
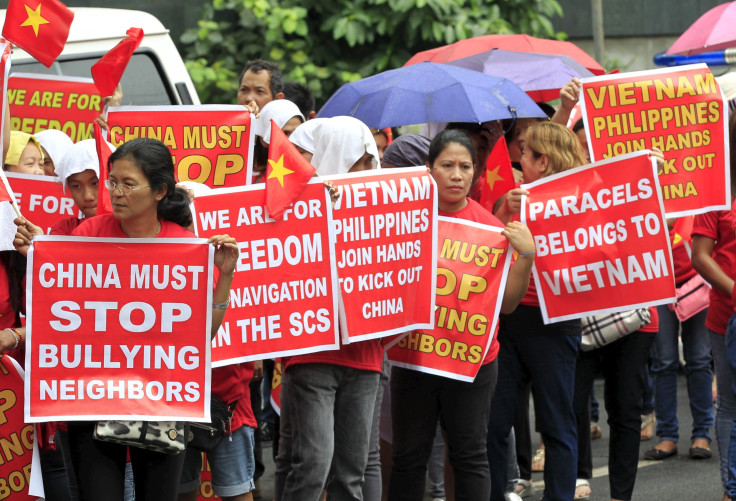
381 144
291 125
83 187
30 162
142 200
48 165
452 170
532 166
364 163
306 154
516 143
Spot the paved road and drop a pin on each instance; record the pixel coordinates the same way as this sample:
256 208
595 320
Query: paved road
674 479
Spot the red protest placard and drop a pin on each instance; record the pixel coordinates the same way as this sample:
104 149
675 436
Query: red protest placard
601 239
678 110
41 199
472 265
118 329
386 234
283 299
17 437
40 102
211 144
5 49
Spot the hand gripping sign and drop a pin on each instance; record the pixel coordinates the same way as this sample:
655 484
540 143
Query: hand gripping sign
472 265
210 144
283 299
601 239
678 110
386 231
20 465
40 102
118 329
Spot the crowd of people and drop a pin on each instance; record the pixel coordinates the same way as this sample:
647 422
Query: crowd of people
351 427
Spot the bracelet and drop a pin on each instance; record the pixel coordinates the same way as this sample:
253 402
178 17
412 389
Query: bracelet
221 306
15 335
529 253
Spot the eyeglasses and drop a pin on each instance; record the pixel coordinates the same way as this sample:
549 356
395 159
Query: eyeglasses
125 189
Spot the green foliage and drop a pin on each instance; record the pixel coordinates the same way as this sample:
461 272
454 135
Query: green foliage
325 44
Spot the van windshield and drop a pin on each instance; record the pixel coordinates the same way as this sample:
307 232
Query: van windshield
143 81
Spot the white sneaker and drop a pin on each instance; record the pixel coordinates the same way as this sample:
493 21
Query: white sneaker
438 499
512 496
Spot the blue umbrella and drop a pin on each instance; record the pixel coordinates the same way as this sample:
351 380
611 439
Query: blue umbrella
429 93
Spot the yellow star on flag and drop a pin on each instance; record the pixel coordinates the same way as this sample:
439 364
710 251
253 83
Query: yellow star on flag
492 176
34 18
278 170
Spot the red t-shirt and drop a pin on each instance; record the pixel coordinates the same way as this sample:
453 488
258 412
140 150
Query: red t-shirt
476 213
66 226
719 226
229 383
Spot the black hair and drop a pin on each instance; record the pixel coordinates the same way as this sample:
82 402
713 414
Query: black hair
15 266
299 94
276 82
153 158
578 125
444 138
548 109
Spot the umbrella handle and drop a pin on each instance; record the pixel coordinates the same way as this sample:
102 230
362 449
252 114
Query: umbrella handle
512 110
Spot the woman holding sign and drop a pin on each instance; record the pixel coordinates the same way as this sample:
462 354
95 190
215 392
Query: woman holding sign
146 204
419 399
531 350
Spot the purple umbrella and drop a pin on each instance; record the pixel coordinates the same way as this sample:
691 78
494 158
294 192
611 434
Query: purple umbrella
539 75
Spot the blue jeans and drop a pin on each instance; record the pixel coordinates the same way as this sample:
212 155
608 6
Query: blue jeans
696 344
331 413
726 403
731 356
547 356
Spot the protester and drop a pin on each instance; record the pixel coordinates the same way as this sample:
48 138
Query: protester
533 350
146 204
419 399
382 141
54 145
328 397
284 113
24 154
260 82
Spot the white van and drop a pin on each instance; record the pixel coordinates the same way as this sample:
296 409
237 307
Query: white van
156 74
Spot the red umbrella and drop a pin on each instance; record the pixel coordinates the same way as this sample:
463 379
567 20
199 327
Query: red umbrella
518 43
714 30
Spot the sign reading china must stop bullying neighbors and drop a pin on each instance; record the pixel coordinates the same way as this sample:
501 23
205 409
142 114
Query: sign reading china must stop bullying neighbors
210 144
118 328
283 299
602 244
386 233
472 266
678 110
40 102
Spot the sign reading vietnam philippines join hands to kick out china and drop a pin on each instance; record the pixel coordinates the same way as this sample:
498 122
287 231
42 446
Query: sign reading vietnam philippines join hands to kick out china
680 111
601 239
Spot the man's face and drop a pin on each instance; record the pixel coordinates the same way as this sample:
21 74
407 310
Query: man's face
255 86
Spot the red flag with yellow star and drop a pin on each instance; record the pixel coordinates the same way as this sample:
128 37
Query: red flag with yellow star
498 178
288 173
39 27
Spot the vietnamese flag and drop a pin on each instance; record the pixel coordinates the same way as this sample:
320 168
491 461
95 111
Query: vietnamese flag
288 173
39 27
104 205
498 179
108 71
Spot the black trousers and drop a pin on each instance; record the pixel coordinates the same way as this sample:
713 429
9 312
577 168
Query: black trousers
418 400
100 468
621 363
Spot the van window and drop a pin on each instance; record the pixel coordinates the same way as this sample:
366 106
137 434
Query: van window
143 81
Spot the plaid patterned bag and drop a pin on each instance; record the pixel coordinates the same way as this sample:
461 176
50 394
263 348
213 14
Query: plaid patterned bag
600 330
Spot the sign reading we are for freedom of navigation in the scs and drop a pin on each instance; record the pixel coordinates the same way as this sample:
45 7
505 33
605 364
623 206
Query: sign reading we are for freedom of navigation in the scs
601 239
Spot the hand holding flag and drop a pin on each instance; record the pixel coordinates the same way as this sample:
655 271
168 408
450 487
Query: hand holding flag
288 173
39 27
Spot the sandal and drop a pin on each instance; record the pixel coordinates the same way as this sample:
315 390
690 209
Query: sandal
595 431
524 488
648 422
538 460
582 490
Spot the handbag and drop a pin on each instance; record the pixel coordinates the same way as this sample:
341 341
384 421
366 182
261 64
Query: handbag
600 330
207 436
160 436
692 298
